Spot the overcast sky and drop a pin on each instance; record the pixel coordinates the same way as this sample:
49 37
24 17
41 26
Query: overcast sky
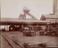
13 8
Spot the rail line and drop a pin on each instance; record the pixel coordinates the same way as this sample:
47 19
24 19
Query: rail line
12 43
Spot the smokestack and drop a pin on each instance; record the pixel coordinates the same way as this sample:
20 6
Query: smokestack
55 7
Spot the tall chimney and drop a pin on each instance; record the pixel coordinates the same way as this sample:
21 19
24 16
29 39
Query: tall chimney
55 7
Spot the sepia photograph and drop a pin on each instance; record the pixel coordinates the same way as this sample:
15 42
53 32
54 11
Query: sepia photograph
29 24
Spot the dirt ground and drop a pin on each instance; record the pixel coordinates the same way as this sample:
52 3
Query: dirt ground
18 37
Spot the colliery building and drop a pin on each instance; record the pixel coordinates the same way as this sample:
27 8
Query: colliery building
41 33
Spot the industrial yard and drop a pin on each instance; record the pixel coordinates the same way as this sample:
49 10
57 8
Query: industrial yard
23 32
17 39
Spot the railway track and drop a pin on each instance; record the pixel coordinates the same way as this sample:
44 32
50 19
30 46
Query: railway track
12 43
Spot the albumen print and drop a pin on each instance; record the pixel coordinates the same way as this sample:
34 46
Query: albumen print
29 24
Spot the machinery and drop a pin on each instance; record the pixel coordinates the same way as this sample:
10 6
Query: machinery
22 22
27 26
